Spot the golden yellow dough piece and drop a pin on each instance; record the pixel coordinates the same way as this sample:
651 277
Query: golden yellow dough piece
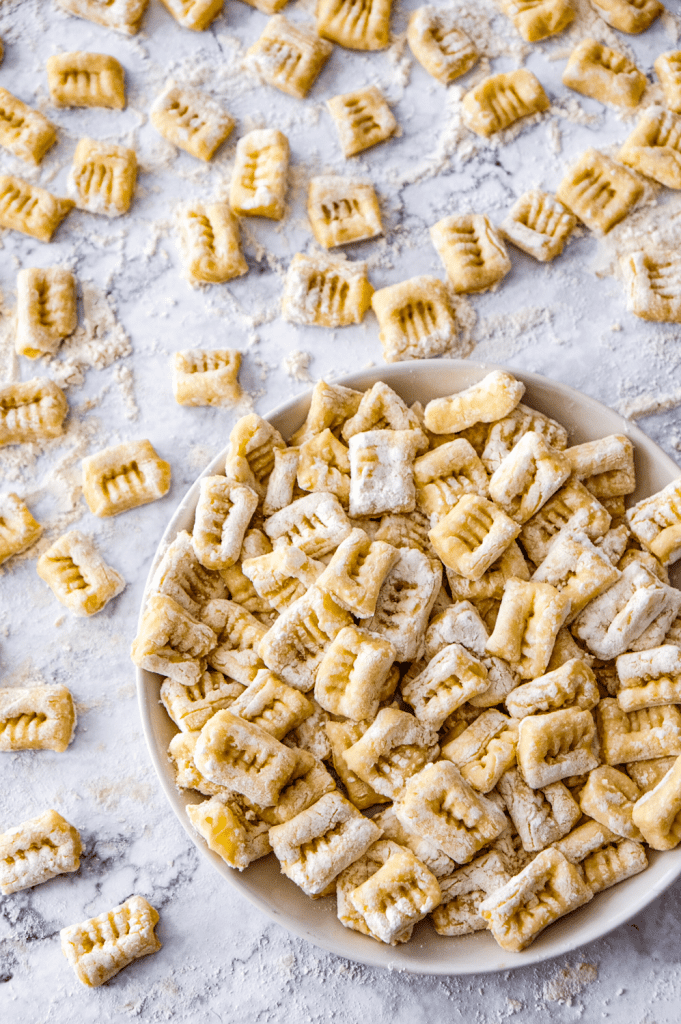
450 679
355 875
606 466
538 19
102 177
381 471
29 209
654 147
381 408
326 292
573 684
99 948
441 806
271 704
653 283
647 774
630 615
603 857
539 225
394 747
599 191
36 718
206 377
342 210
571 509
658 813
123 477
181 576
471 537
191 119
171 642
637 735
187 776
416 319
505 433
396 897
578 569
210 243
464 891
250 458
604 74
295 645
363 118
315 846
364 26
341 736
18 528
280 577
330 406
46 310
194 14
238 636
356 572
501 100
23 131
222 516
556 745
316 524
492 398
631 16
527 477
541 816
443 475
439 45
31 411
353 673
37 850
527 625
288 56
283 480
405 602
323 464
191 706
81 79
656 523
229 832
649 678
484 750
78 575
122 15
609 797
668 68
472 251
542 892
260 176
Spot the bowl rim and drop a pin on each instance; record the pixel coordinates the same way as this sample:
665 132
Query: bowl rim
371 953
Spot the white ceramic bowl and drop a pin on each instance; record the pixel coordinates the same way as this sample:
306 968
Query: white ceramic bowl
315 920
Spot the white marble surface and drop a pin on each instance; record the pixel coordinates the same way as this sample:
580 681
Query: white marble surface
221 958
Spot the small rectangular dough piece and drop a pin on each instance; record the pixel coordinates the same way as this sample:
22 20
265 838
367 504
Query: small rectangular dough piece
604 74
77 574
341 22
36 718
18 528
416 319
102 177
654 147
490 399
24 131
362 118
191 119
668 68
81 79
538 19
33 211
323 291
656 523
472 251
194 14
649 678
599 191
207 377
31 411
37 850
124 476
259 178
210 242
637 735
342 210
653 283
500 100
122 15
287 56
631 16
539 225
439 44
99 948
556 745
46 310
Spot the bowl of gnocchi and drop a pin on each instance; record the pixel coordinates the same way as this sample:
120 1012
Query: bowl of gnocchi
409 666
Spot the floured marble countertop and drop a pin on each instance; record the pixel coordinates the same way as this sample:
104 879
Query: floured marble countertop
221 959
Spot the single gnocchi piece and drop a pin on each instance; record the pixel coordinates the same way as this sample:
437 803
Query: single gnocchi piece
283 480
571 509
654 147
315 846
190 706
46 310
527 625
206 377
23 131
609 797
326 292
250 457
316 524
341 736
381 471
604 74
439 45
181 576
472 251
441 806
599 191
36 718
578 569
394 748
191 119
271 704
222 516
102 177
549 887
362 118
606 466
323 464
450 679
238 634
355 875
442 476
81 79
342 210
33 410
653 283
78 575
289 57
260 176
194 14
505 433
416 319
556 745
573 684
124 476
99 948
637 735
352 676
37 850
405 602
365 27
356 572
529 475
122 15
229 832
330 406
658 813
396 897
473 536
32 210
647 774
171 642
656 523
631 16
541 816
539 225
485 750
210 243
280 577
18 529
380 408
538 19
668 68
492 398
501 100
649 678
